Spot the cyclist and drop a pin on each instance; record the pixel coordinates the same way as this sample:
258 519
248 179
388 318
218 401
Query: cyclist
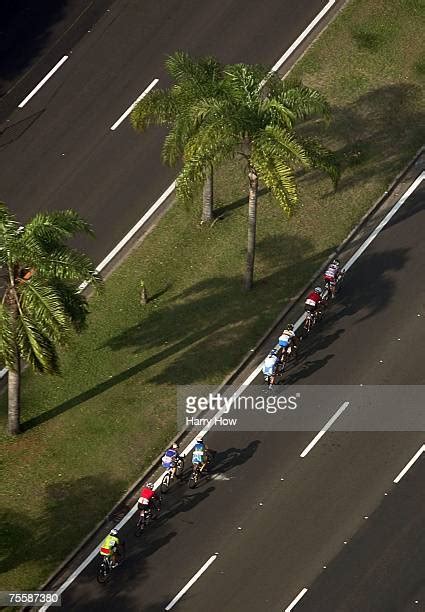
288 339
271 364
148 498
109 547
169 460
313 301
332 274
200 454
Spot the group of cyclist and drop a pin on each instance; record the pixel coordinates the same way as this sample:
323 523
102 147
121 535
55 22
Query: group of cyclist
274 363
276 360
149 499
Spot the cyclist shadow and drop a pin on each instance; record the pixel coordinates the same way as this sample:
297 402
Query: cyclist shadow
317 342
148 545
233 457
307 369
176 505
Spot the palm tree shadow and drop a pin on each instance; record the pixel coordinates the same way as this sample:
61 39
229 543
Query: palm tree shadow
184 357
28 538
376 122
14 131
221 211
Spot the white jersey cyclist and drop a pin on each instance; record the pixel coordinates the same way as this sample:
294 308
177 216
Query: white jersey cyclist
270 363
287 337
332 272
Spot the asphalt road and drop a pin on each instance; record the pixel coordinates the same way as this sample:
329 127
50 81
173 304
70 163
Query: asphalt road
59 152
333 522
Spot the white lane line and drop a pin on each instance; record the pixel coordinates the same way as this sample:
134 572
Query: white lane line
409 465
128 111
303 35
41 83
325 429
296 600
191 582
141 222
385 220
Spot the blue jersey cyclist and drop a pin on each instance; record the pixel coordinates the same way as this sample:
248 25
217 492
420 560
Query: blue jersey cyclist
169 460
200 454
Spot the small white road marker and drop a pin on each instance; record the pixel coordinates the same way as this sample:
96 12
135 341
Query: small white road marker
41 83
128 111
296 600
220 477
409 465
191 582
325 428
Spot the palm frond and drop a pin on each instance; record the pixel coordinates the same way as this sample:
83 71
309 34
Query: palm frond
158 107
55 227
43 304
321 158
280 143
74 303
303 101
10 231
278 177
66 264
35 347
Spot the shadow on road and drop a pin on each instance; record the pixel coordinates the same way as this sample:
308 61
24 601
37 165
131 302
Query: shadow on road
26 29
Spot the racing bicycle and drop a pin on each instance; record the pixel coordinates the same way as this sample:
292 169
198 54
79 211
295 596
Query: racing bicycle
168 476
105 568
146 515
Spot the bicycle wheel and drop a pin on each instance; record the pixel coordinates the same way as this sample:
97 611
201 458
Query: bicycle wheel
179 466
165 482
140 525
193 480
104 572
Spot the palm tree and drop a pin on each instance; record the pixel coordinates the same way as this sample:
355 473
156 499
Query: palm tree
255 117
195 80
39 278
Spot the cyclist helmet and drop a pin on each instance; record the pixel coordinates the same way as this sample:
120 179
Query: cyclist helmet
113 532
149 485
318 290
336 262
199 441
290 326
175 446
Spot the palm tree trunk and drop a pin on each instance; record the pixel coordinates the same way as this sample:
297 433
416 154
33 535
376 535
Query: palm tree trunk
14 398
208 198
252 226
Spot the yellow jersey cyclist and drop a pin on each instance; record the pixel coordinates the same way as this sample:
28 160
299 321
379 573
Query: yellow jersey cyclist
110 547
